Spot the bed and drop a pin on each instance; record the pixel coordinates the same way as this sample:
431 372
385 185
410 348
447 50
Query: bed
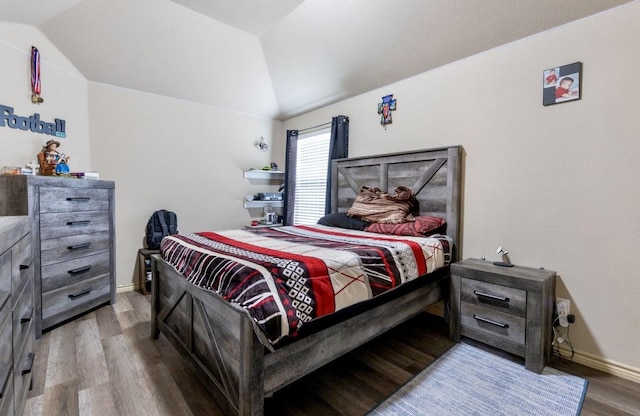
239 365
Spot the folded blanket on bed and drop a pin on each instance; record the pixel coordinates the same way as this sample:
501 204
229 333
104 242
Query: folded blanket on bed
375 205
286 276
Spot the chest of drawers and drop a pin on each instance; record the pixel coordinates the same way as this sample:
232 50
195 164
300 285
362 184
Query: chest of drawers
73 242
16 314
510 308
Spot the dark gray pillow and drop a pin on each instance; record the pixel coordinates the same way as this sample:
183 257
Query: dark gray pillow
342 220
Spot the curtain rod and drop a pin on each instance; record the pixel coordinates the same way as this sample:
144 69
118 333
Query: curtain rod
315 127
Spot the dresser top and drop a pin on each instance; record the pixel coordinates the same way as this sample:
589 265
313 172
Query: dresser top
11 230
56 181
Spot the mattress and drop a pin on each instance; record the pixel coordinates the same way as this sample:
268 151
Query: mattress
284 277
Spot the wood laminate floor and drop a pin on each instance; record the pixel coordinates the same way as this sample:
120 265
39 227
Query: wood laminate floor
106 364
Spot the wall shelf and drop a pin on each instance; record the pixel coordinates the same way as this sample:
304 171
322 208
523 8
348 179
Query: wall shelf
262 204
264 174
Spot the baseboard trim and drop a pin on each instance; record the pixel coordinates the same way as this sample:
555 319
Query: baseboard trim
605 365
126 288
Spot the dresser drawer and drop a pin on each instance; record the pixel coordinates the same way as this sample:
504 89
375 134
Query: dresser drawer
6 358
56 225
58 275
6 401
23 315
500 298
21 263
5 278
54 199
492 322
57 250
61 304
22 376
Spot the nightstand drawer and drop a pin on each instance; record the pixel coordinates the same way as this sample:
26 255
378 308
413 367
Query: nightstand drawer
492 322
55 199
496 297
56 225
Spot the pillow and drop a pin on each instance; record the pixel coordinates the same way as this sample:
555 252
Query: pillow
375 205
342 220
421 227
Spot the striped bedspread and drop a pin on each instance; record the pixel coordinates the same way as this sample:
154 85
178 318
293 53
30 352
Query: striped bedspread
286 276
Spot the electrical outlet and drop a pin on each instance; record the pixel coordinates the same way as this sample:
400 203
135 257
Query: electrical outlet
563 306
566 305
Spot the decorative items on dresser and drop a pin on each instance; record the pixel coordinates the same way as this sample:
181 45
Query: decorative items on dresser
16 314
510 308
73 242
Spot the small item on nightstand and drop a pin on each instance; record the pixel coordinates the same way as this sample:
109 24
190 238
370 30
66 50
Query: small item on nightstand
506 262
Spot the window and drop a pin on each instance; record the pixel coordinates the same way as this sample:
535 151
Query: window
312 161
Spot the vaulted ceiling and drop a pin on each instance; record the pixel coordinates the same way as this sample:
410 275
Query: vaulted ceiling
280 58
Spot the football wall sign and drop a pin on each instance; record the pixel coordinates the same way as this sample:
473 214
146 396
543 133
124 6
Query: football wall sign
31 123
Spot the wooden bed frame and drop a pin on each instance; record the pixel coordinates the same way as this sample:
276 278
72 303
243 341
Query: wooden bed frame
220 338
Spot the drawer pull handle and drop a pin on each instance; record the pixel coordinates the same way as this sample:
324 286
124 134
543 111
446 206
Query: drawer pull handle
6 371
490 321
78 199
82 222
25 266
81 293
79 246
490 296
80 270
28 363
26 316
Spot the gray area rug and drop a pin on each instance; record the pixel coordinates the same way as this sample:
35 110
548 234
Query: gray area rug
469 381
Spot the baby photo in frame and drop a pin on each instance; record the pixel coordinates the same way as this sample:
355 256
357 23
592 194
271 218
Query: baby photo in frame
561 84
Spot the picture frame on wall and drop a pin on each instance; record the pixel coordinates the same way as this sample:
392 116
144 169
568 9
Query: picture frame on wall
562 84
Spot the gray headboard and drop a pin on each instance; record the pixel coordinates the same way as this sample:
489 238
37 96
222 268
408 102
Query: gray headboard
433 174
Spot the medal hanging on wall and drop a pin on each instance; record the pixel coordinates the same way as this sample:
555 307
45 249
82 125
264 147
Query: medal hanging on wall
36 84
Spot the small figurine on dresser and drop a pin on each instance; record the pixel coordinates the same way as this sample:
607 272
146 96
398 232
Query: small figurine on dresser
52 162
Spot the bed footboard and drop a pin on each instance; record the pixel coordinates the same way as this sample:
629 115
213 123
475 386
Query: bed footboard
236 367
218 338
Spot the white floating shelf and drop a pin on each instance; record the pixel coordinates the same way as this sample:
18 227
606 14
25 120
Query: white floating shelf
262 204
264 174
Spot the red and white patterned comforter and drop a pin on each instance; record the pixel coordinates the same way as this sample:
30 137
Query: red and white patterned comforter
286 276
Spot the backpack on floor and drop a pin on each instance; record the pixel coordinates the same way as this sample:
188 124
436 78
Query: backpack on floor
161 224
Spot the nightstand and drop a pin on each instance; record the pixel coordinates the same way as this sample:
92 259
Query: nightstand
144 269
509 308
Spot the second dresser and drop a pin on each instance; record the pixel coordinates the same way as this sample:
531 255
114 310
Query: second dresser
73 242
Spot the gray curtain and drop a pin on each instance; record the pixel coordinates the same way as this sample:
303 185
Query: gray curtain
290 176
338 149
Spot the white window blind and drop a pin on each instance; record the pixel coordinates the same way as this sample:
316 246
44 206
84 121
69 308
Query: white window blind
311 177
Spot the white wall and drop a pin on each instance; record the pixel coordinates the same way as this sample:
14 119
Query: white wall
161 152
556 186
64 91
172 154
